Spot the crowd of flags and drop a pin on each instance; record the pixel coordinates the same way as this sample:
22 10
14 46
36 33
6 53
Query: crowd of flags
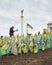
25 44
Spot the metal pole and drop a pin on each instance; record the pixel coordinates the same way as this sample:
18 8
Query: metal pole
22 21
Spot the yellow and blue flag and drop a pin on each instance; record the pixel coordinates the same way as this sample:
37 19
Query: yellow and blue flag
29 26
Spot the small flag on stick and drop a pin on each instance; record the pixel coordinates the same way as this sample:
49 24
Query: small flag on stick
29 26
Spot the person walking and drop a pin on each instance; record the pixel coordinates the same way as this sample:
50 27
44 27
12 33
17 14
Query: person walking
11 31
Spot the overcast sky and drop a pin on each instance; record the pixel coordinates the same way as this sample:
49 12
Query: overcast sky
36 12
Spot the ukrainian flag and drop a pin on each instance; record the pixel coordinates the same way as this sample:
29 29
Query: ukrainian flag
29 26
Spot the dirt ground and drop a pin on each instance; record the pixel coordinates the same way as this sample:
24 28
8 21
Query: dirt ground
41 58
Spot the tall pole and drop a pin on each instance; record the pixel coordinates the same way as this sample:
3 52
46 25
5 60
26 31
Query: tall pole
22 21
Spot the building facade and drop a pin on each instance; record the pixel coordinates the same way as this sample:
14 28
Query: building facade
49 26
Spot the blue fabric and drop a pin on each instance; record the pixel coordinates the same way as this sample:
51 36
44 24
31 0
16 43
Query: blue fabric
44 39
51 41
20 50
50 38
40 40
51 44
25 41
36 41
8 51
27 49
0 53
39 47
46 46
6 42
13 47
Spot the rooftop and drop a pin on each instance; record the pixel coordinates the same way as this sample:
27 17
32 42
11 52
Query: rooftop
49 24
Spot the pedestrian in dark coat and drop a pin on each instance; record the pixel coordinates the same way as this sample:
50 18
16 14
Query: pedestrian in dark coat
11 31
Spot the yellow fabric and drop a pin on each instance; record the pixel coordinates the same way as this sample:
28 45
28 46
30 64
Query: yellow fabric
35 50
15 52
31 44
47 37
1 43
31 49
3 52
24 50
48 45
5 47
43 48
